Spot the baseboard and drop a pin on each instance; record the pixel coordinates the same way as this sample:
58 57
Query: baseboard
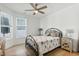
15 45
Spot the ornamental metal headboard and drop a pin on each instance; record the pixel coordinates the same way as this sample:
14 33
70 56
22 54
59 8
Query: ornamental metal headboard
53 32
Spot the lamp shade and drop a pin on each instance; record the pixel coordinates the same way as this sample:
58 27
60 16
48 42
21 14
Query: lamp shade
5 30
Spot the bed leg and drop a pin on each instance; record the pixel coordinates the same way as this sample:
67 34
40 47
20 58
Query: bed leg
37 54
40 54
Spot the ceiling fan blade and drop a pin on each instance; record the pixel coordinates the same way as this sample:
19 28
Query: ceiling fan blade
32 5
41 12
36 4
42 7
29 10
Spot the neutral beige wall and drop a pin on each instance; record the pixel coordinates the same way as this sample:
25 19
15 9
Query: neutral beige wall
33 25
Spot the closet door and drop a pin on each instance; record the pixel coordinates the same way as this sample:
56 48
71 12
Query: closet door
6 28
21 27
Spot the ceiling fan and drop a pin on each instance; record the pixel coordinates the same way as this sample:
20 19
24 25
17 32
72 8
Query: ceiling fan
36 9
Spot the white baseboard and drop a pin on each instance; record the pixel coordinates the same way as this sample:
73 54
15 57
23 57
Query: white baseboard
11 43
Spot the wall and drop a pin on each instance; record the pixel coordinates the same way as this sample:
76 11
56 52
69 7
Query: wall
32 23
64 19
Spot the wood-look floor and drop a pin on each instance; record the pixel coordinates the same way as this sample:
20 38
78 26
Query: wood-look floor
22 51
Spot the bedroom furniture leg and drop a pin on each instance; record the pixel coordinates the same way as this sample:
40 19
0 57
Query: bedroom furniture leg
2 46
41 55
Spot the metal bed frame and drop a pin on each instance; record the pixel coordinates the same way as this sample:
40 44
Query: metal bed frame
35 43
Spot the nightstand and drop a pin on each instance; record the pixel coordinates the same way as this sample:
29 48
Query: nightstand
66 43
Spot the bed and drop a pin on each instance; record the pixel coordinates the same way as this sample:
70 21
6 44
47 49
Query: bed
46 43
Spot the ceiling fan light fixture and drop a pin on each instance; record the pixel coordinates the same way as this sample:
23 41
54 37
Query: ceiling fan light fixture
36 11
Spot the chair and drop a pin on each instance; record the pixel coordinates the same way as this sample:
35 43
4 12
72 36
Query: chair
2 46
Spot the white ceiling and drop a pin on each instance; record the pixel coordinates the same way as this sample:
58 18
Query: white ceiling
52 7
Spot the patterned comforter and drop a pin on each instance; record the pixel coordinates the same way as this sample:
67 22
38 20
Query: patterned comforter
45 43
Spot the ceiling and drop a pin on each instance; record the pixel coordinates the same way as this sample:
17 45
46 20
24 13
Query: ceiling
52 7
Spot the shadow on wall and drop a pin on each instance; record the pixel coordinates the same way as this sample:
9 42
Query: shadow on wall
78 44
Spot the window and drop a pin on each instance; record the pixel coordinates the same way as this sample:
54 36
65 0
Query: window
21 27
5 25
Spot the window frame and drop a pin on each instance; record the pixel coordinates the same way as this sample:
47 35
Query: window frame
10 19
25 25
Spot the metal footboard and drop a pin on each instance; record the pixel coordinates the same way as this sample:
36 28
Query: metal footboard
34 46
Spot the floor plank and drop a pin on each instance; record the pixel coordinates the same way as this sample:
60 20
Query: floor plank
61 52
22 51
19 51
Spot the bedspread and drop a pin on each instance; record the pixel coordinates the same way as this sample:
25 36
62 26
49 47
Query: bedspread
45 43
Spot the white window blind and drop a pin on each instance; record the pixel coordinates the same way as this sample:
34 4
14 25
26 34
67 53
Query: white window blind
21 27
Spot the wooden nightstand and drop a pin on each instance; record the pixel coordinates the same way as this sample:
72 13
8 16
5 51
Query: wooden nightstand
66 43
